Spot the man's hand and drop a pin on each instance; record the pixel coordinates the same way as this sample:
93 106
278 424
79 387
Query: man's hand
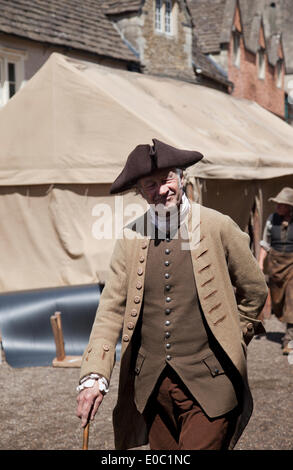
89 401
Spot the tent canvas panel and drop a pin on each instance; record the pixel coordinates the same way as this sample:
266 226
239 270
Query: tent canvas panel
241 199
76 122
49 235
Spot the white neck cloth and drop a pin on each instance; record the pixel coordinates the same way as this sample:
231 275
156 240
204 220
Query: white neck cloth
169 219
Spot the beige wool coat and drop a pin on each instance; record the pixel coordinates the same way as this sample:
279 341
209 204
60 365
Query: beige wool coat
231 289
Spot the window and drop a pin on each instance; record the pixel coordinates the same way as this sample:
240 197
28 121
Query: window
11 79
279 73
158 15
168 17
11 74
290 92
236 48
289 106
261 63
164 16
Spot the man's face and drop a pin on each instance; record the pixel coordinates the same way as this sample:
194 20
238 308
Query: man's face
162 187
284 209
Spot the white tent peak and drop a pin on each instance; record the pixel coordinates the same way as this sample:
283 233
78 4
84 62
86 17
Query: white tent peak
76 122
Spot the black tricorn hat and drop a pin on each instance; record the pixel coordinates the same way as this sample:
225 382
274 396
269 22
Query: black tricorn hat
146 158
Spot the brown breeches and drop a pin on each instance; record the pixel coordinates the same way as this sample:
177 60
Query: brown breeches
177 422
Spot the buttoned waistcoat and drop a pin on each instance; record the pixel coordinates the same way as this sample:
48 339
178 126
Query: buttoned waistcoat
173 331
231 290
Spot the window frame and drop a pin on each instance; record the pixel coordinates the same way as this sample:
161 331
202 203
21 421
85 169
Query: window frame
236 50
17 58
261 63
279 75
169 12
158 15
164 15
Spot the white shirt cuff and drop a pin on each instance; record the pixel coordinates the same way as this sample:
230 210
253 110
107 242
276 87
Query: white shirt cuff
89 380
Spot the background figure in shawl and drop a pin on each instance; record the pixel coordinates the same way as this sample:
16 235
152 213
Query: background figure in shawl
276 260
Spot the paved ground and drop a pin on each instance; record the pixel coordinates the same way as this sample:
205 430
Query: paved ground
38 404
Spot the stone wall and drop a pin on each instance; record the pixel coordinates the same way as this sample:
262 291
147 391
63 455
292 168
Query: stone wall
168 54
160 53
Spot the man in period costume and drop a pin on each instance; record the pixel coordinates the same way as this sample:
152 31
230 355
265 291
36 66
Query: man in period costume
186 292
276 259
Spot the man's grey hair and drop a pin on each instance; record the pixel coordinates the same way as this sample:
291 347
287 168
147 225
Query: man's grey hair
179 173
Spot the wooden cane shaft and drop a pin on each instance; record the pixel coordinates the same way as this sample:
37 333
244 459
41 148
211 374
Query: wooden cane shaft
86 431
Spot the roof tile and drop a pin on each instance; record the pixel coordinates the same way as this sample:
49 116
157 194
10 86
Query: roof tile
81 25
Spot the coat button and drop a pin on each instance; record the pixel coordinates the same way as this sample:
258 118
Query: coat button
167 251
140 271
167 334
168 287
167 263
144 245
130 325
136 299
125 338
216 371
167 275
138 285
141 259
250 327
106 347
168 357
168 346
168 299
167 311
133 312
167 323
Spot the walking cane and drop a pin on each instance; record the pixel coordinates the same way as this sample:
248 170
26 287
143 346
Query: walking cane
86 431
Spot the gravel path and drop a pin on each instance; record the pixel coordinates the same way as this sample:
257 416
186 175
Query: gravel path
38 403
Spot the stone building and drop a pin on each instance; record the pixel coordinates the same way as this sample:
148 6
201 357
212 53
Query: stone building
31 30
162 34
256 63
151 36
237 46
245 39
280 19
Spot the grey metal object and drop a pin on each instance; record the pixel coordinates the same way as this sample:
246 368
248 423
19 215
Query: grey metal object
27 337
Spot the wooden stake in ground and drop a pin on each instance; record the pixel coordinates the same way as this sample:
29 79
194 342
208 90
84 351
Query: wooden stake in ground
86 431
58 335
61 360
